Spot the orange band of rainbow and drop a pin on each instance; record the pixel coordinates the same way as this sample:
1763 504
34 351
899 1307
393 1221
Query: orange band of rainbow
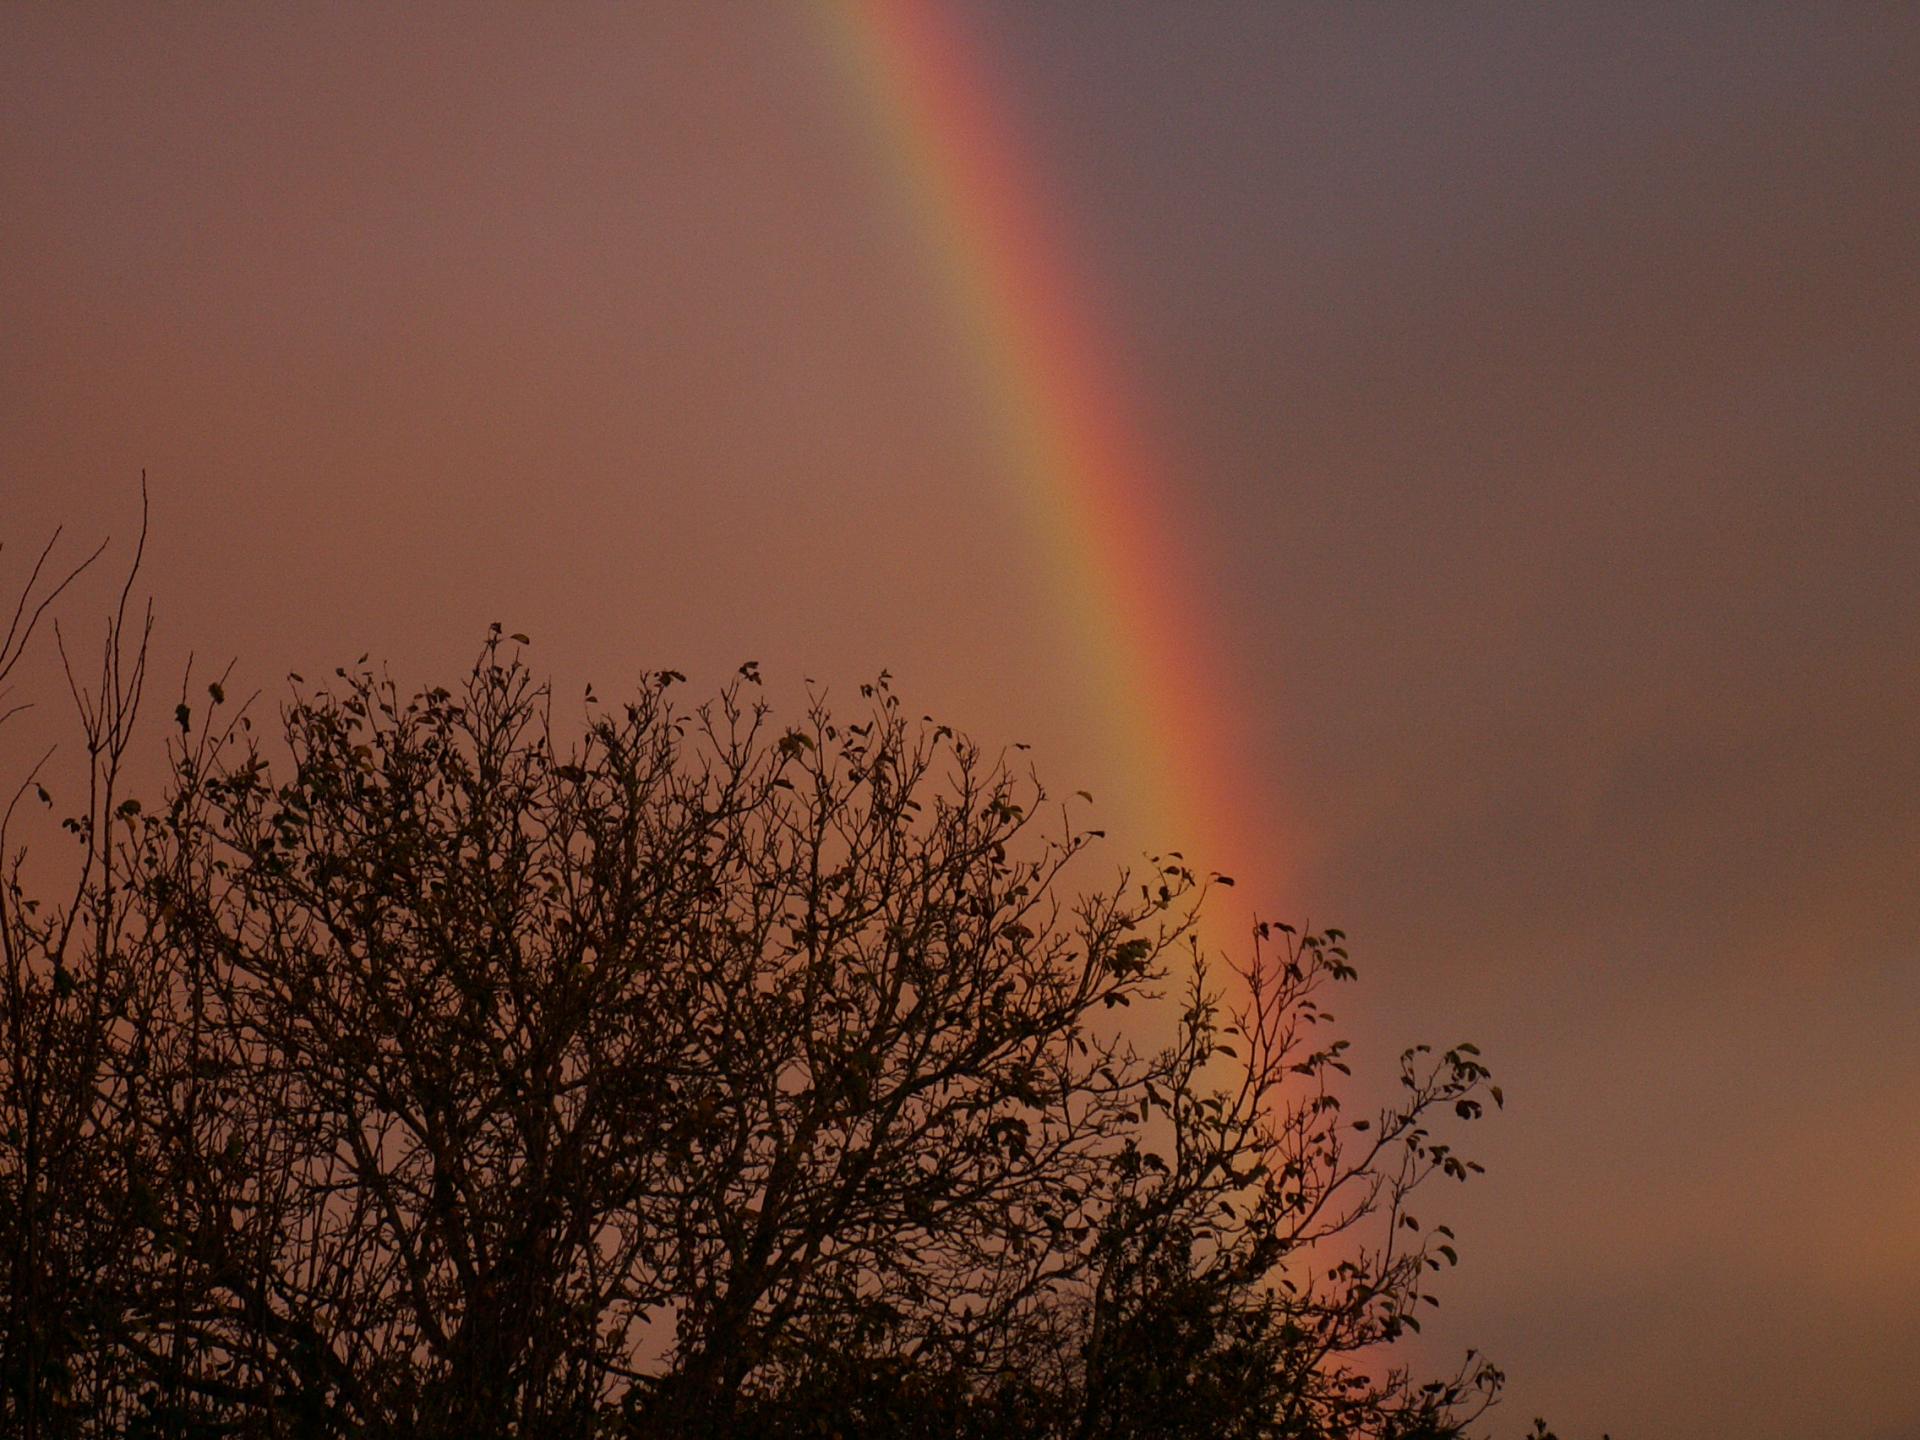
1096 496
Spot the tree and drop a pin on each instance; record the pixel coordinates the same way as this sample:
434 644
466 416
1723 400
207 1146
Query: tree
68 1109
425 1073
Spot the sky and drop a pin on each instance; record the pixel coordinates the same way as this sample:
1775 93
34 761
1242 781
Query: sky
1533 518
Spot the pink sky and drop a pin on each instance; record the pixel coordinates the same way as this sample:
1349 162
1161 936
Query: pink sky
1541 384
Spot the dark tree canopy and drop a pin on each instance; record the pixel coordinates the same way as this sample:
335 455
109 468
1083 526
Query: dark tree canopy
416 1070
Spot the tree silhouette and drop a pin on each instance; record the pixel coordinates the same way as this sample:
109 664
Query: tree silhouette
422 1072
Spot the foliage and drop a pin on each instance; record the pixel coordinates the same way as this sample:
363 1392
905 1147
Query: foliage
424 1073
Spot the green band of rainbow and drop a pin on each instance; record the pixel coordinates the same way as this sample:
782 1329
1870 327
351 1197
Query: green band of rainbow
1095 494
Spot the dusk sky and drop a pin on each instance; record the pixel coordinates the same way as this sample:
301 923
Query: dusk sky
1531 520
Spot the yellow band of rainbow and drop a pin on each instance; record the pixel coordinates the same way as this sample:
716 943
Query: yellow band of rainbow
1096 497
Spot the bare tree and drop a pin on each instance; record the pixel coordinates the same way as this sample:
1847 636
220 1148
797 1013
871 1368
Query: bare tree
69 1106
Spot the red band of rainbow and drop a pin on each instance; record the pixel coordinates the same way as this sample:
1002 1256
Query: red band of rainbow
1096 495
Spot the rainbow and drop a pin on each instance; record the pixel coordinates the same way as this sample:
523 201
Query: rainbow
1097 494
